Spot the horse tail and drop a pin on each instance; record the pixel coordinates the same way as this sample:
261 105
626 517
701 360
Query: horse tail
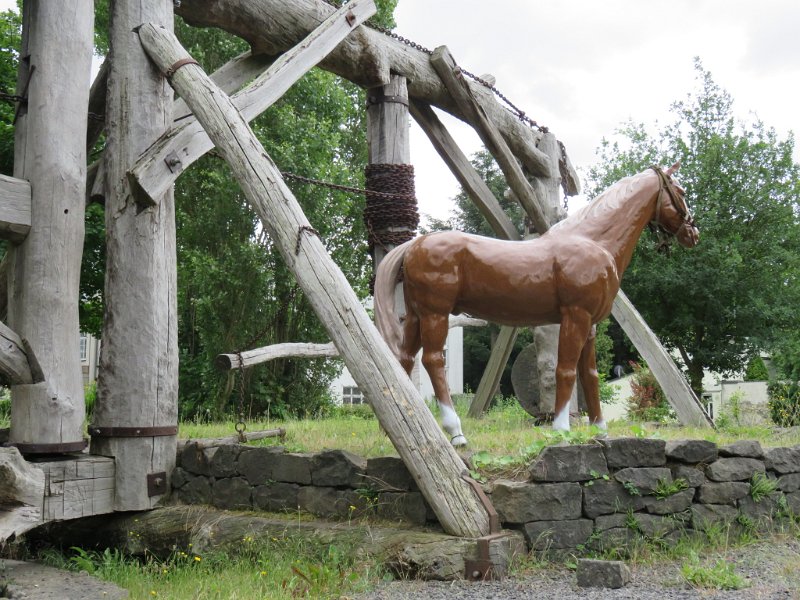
386 319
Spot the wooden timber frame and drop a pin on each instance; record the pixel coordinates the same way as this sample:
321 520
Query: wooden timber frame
147 150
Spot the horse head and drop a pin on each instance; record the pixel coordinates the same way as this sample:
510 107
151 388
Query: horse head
672 215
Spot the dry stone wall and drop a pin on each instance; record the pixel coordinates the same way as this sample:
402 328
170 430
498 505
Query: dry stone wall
604 494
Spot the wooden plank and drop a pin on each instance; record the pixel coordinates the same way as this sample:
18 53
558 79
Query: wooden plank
463 171
138 378
399 408
50 152
18 364
77 487
249 436
367 58
158 167
679 393
445 65
493 371
15 208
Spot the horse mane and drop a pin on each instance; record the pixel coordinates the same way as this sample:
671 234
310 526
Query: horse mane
611 200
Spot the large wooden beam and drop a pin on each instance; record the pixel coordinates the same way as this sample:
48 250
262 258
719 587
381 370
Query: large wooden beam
453 79
137 385
15 209
50 152
434 464
157 169
463 171
677 390
367 58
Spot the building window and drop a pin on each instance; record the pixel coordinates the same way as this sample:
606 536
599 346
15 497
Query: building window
709 402
83 345
352 395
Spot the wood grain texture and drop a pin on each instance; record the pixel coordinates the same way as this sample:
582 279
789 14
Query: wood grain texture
18 364
138 379
432 461
185 142
77 487
21 493
50 152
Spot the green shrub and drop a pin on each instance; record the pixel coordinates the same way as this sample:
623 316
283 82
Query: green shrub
784 403
756 370
648 403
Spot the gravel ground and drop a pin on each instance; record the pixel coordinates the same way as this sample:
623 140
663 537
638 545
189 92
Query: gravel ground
772 570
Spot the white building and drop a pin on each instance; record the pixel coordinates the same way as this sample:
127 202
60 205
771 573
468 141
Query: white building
345 390
90 357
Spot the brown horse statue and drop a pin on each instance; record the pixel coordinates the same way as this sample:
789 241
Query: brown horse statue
570 275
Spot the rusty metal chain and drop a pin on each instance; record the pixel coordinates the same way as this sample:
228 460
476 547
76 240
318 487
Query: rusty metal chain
344 188
240 426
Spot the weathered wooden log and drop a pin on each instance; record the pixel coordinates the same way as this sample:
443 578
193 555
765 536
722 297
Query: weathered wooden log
50 152
445 65
249 436
18 364
21 493
5 265
249 358
137 385
15 208
198 529
97 106
162 163
433 463
366 58
678 392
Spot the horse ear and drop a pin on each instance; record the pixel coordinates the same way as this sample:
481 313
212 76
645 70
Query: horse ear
673 169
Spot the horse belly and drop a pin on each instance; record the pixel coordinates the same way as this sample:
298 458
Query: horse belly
511 300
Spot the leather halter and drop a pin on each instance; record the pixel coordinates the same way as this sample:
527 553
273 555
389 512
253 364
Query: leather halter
664 235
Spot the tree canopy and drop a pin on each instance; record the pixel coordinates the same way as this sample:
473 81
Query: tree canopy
736 293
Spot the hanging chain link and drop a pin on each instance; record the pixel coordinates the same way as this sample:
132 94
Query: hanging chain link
240 426
345 188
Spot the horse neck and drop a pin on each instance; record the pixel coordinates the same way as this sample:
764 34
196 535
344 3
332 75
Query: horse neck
619 217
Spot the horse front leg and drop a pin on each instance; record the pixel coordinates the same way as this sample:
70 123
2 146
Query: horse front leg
575 326
433 329
590 381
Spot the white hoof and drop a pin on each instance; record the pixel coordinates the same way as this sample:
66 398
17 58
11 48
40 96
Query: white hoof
561 422
458 440
601 430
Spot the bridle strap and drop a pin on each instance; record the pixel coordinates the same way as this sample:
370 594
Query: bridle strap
664 235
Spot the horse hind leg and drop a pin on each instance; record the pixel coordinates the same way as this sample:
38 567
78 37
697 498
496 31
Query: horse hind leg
411 342
434 335
590 381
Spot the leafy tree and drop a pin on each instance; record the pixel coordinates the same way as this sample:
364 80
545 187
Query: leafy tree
736 293
10 39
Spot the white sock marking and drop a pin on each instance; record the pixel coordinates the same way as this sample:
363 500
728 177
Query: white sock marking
561 422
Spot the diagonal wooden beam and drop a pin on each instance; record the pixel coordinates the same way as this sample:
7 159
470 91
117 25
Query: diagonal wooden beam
445 65
15 208
18 364
159 167
463 171
433 463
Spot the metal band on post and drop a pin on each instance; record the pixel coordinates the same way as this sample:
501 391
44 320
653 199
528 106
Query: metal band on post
132 432
178 64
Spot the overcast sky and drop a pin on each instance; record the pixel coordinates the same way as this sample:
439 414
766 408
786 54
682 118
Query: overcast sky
583 67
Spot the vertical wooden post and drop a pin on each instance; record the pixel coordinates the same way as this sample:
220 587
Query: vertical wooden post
55 67
388 135
137 387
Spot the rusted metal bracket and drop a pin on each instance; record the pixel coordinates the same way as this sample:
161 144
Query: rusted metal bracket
350 18
482 568
132 432
380 98
157 484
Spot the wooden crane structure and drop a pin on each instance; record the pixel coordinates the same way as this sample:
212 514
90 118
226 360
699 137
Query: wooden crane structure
133 436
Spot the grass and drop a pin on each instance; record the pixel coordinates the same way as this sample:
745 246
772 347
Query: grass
719 575
274 568
505 436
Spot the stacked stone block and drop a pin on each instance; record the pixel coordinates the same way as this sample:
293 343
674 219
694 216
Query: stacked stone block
603 494
332 483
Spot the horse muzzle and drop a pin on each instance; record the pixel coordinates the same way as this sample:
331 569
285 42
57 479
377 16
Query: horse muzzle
688 236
